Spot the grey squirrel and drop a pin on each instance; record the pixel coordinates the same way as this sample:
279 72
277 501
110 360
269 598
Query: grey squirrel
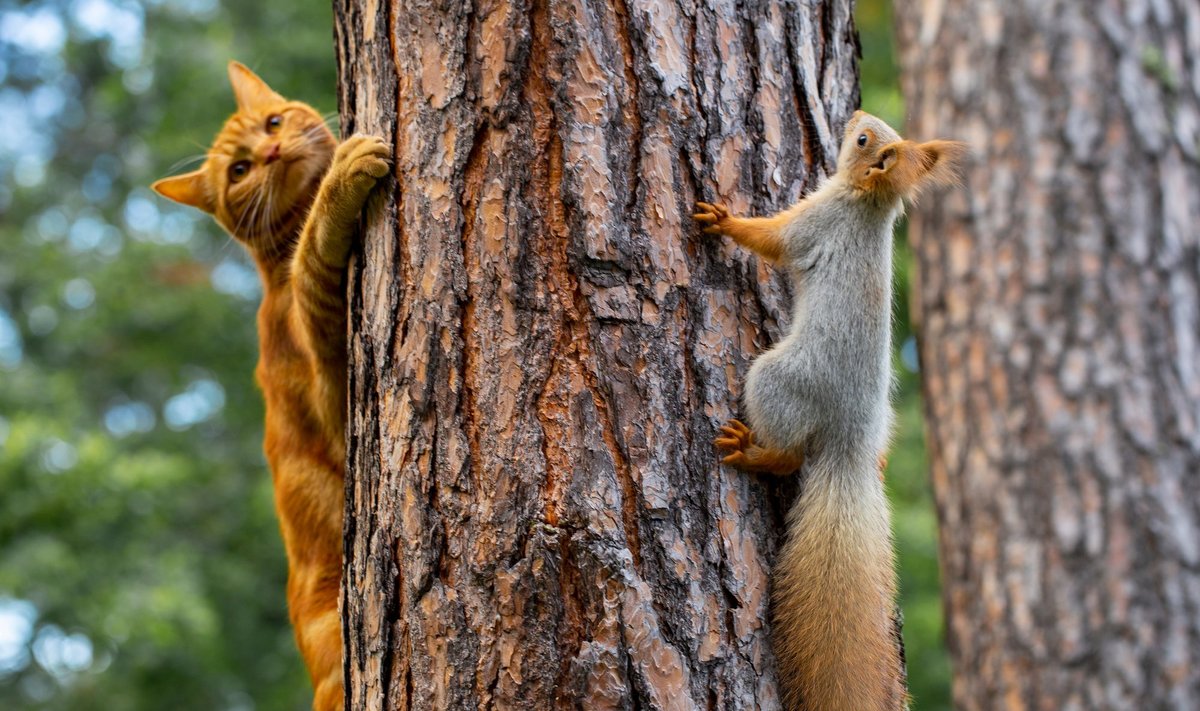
821 397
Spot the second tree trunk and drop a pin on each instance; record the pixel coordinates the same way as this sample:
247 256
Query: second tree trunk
1059 312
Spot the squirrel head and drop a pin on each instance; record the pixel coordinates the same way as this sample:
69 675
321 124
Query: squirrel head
877 163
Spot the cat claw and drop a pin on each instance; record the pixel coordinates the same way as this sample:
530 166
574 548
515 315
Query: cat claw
364 156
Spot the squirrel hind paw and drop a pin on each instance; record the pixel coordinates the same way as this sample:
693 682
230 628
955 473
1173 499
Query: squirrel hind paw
735 436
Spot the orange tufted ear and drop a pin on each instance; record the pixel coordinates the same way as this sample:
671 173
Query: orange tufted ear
250 91
906 168
941 161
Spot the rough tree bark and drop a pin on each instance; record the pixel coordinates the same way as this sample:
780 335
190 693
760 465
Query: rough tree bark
1059 311
542 346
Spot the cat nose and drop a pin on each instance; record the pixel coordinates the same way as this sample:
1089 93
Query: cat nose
273 154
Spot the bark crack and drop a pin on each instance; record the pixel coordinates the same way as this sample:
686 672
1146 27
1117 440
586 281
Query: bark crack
750 110
472 190
811 143
573 625
631 108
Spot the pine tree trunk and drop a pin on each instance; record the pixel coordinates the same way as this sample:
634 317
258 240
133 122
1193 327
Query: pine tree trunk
543 346
1059 307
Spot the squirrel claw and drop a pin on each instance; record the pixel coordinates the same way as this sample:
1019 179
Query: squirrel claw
737 459
711 215
741 429
737 437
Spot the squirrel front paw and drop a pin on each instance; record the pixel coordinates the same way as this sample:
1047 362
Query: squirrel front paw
712 216
738 441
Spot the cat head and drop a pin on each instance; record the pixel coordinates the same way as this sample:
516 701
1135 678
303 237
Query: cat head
264 167
877 162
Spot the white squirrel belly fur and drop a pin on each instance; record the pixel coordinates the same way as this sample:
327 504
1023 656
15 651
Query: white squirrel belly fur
827 384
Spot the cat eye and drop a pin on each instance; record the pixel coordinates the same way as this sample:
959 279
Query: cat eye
238 170
274 121
862 139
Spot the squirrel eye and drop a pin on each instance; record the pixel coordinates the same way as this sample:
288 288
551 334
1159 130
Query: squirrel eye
274 121
238 170
862 139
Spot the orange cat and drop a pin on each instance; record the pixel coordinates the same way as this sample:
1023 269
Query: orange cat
276 179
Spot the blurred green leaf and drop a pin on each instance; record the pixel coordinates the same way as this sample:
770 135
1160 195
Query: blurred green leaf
909 487
140 560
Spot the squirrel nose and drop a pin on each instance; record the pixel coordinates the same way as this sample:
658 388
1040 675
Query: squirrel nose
273 154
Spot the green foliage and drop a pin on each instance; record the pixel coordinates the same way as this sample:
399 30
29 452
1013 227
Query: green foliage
879 72
916 545
908 472
140 560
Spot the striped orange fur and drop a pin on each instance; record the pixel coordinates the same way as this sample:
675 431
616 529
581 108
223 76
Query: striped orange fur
277 180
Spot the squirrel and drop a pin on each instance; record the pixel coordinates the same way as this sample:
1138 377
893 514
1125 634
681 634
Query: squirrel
820 398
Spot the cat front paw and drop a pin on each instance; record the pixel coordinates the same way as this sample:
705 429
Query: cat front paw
362 160
358 163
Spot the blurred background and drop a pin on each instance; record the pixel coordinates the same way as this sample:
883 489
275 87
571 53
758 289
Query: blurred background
140 562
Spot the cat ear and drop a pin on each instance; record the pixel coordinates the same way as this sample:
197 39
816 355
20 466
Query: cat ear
188 189
250 91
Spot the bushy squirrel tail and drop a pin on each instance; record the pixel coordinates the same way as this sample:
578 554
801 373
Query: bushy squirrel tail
834 593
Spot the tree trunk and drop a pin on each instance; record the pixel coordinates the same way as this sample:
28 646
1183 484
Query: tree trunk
1058 302
543 347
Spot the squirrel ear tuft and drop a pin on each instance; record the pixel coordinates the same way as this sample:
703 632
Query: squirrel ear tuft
187 189
941 161
906 168
251 91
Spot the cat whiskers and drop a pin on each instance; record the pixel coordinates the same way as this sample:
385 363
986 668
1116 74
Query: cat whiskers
260 202
229 240
254 218
312 136
187 162
267 209
237 229
266 217
329 119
